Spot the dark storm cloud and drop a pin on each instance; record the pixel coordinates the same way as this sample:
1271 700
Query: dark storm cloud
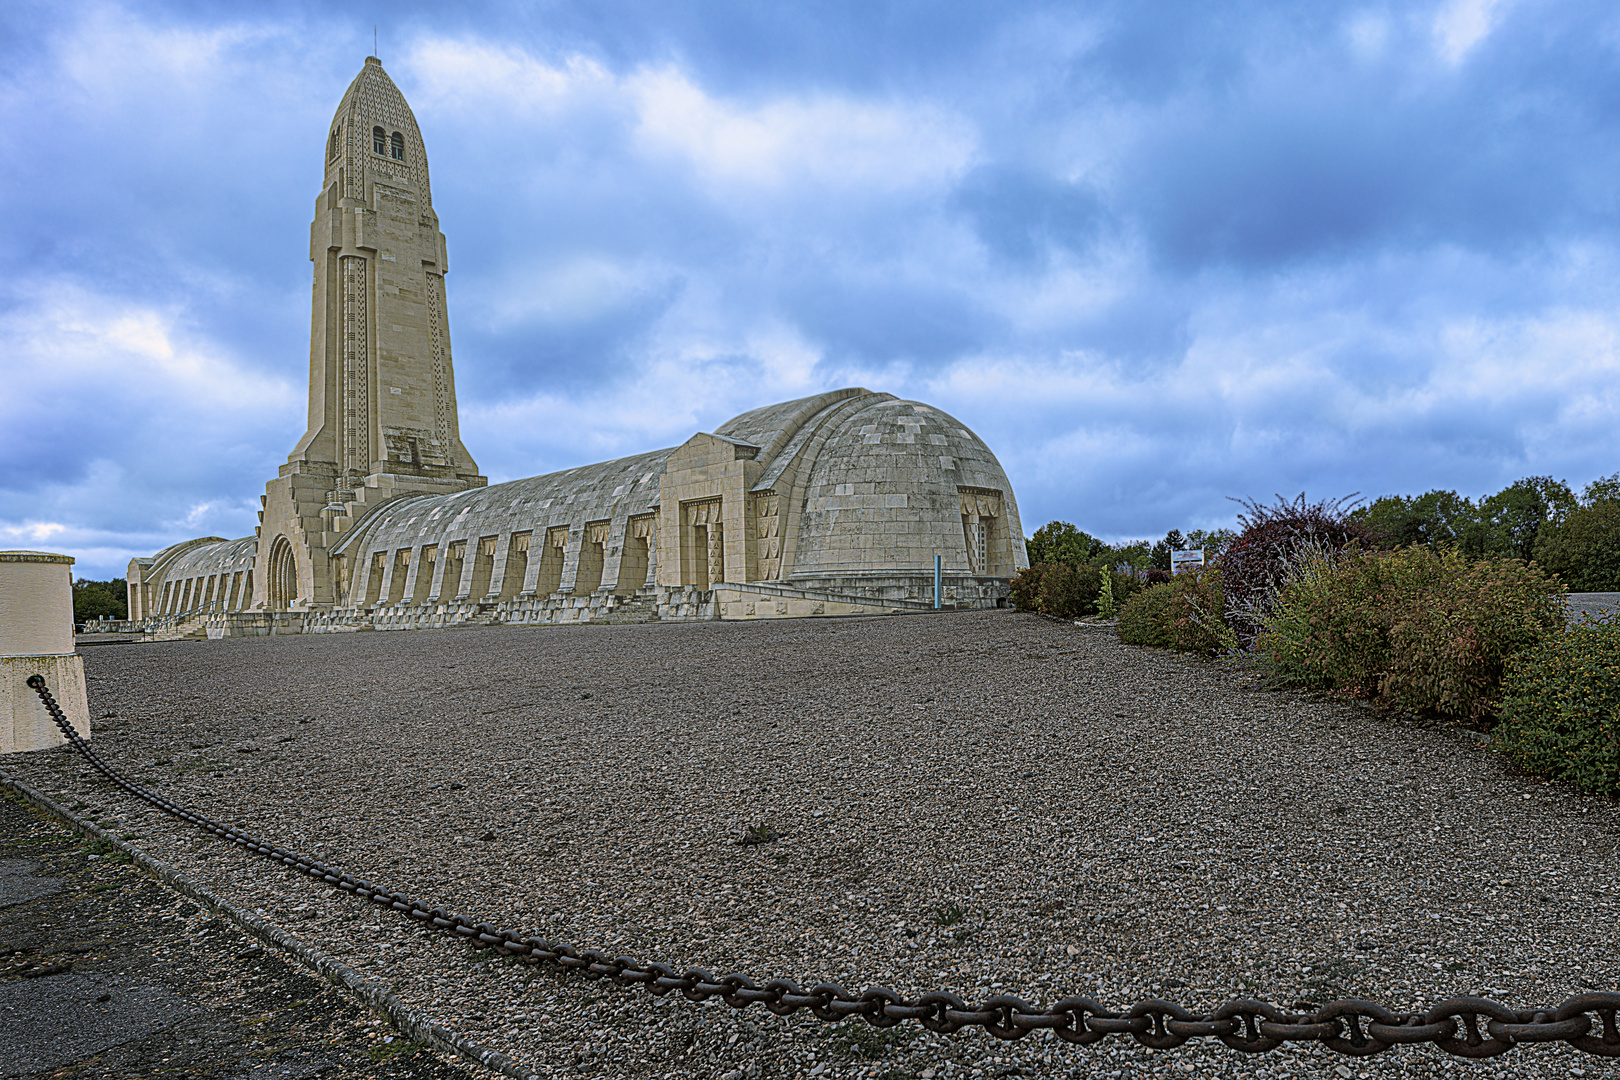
873 323
1020 214
1155 254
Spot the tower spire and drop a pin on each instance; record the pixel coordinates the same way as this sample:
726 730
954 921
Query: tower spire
382 395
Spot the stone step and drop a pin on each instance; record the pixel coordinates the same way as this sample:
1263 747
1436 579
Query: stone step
638 610
193 629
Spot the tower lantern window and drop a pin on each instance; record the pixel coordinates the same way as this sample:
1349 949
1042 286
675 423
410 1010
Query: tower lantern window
379 140
396 146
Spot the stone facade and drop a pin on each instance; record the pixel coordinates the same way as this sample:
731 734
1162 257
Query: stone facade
834 504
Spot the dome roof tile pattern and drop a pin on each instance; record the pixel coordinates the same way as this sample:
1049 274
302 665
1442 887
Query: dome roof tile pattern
885 492
620 488
214 558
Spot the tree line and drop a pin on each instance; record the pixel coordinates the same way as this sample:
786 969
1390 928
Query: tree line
1537 519
100 600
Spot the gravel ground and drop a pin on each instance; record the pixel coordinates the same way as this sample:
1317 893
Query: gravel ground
980 802
107 973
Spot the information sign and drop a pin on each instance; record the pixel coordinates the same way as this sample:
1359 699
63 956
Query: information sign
1182 561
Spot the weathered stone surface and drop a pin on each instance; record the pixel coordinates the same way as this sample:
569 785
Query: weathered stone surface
36 638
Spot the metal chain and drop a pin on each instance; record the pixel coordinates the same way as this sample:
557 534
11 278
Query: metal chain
1469 1027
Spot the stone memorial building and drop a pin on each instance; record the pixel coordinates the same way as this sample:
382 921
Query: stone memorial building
832 504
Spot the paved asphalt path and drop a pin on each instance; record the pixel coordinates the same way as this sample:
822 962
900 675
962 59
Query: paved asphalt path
1587 604
105 972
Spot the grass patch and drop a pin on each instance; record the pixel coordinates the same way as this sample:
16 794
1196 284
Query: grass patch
763 833
389 1051
949 915
856 1040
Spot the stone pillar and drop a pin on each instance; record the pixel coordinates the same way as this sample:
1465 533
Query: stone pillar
36 638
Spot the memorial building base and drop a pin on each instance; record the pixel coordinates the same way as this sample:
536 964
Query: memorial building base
722 603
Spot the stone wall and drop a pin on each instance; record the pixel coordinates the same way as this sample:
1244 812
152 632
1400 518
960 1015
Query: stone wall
255 624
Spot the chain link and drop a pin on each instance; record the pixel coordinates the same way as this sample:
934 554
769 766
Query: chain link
1469 1027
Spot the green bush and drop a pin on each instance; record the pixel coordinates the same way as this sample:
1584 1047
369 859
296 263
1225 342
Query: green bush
1329 629
1197 614
1419 629
1561 707
1184 614
1064 590
1068 590
1144 619
1025 587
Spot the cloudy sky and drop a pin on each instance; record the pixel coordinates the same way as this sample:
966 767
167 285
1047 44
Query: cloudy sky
1155 254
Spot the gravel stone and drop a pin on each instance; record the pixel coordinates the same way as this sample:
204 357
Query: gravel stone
981 802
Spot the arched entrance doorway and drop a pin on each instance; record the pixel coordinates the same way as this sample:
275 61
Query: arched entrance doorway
283 579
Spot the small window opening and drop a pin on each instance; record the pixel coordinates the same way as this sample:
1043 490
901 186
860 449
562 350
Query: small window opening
332 149
396 146
379 140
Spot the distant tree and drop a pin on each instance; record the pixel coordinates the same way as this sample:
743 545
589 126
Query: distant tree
1603 489
1173 541
1138 555
1435 519
1514 515
1059 541
100 600
1210 542
1583 548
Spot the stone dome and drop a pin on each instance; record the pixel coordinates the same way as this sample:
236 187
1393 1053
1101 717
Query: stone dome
898 482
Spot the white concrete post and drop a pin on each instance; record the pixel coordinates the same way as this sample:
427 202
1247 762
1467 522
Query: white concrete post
36 638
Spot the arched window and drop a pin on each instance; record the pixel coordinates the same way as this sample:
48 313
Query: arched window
396 145
379 140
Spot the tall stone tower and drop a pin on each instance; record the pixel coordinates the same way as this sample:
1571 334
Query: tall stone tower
382 392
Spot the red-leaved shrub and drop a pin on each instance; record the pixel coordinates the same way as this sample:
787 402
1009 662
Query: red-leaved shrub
1274 541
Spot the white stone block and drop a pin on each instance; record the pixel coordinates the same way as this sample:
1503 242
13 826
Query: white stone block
36 638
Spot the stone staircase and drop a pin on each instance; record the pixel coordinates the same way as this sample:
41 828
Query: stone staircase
640 608
192 628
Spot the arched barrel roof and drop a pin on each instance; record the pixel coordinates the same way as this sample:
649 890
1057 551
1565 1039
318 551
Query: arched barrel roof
881 486
610 490
219 557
